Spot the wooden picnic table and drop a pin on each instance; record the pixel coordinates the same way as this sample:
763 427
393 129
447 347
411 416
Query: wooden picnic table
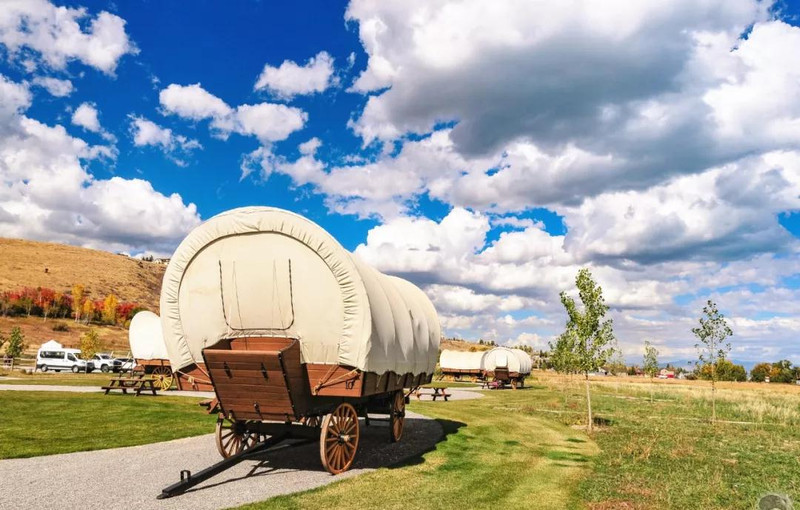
436 393
137 384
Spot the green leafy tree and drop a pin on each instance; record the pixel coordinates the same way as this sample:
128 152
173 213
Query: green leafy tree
711 346
590 335
725 371
650 364
760 372
16 343
782 372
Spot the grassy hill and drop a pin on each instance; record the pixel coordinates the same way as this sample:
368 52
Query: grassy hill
23 264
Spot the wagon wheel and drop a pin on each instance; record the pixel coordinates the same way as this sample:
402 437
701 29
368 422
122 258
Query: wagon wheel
522 382
338 440
310 421
232 437
397 416
162 378
513 384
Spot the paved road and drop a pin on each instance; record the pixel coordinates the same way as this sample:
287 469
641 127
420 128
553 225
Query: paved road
132 477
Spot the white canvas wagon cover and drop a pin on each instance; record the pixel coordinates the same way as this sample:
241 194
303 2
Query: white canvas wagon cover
262 271
461 360
146 337
515 360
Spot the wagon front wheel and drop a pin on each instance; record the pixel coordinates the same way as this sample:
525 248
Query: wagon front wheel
397 416
162 378
232 437
338 440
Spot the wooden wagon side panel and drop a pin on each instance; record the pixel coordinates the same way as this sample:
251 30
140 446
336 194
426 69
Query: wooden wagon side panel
259 385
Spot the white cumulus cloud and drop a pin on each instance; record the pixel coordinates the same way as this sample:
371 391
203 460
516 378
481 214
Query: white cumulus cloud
290 79
268 122
57 34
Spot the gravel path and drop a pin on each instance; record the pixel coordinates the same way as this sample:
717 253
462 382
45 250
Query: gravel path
95 389
132 477
455 394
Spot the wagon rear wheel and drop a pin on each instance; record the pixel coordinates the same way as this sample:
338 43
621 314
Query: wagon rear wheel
338 440
397 416
232 437
162 378
513 384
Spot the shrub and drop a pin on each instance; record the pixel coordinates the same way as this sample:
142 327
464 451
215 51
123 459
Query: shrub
60 327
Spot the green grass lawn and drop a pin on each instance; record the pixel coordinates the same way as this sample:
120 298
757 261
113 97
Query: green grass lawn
525 448
58 379
493 457
666 454
43 423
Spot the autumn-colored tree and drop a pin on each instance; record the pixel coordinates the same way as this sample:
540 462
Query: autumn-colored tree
77 300
88 309
91 344
110 309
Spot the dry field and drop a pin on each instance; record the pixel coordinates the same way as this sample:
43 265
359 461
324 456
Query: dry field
37 331
23 264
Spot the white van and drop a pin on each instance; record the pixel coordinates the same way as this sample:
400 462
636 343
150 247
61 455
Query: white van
53 356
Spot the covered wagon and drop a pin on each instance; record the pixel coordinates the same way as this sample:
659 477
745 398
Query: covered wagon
507 366
299 336
461 364
148 349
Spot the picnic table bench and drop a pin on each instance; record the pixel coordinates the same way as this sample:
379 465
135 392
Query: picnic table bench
436 393
491 385
136 384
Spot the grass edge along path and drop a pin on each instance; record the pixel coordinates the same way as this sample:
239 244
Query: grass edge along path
492 456
38 423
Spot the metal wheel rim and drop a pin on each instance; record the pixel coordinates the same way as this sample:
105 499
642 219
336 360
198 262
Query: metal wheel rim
338 441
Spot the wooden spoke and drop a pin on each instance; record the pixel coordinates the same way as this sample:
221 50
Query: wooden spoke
162 378
397 416
232 437
339 439
310 421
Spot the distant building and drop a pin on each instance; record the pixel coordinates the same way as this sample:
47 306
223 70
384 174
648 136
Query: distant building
666 374
161 261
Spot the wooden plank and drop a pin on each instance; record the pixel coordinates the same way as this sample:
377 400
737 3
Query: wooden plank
261 343
245 364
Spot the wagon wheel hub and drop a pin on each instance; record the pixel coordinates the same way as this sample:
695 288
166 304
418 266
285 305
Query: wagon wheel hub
344 438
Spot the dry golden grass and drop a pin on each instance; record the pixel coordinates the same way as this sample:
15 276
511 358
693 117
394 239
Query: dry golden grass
23 263
37 331
462 345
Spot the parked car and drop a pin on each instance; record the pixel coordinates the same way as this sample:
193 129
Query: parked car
126 364
105 362
53 356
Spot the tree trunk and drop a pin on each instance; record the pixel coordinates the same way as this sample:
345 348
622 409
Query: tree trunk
713 393
713 402
588 402
651 389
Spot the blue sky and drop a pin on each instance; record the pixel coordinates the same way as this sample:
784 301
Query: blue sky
485 152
